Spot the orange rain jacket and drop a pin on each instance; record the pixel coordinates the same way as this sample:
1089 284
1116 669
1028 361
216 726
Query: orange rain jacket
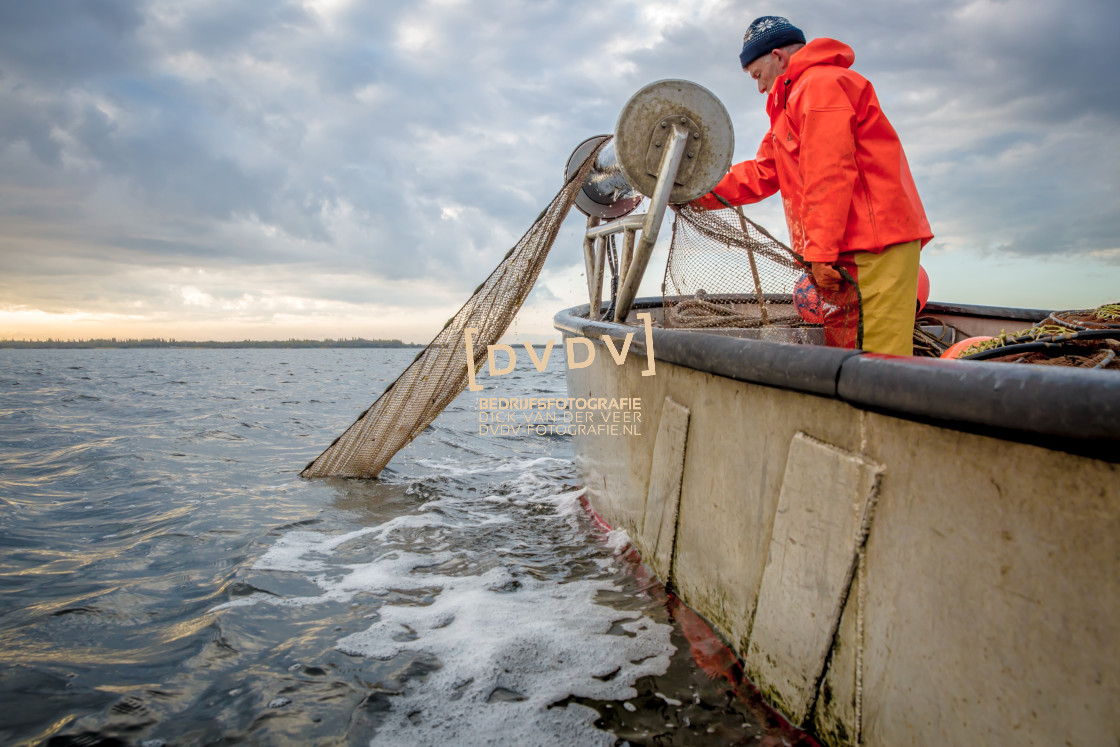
838 162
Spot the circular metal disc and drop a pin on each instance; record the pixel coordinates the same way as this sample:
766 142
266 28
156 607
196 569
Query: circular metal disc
584 201
643 114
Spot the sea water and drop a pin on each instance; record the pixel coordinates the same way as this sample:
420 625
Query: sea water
167 578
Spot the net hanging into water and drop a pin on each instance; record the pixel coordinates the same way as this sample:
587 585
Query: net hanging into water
439 372
726 271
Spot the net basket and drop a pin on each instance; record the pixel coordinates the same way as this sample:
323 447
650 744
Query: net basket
726 271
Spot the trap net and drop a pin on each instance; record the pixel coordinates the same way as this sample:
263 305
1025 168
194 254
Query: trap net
726 271
439 372
1078 338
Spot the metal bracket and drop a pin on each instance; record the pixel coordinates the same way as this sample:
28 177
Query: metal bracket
671 159
673 142
658 138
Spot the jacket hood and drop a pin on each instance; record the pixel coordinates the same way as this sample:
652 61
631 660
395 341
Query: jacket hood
820 51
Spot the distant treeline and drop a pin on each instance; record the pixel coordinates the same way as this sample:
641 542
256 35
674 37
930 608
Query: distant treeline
353 342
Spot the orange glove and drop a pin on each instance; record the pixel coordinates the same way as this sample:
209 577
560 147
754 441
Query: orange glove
826 276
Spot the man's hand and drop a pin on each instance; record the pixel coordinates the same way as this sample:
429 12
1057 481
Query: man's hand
826 276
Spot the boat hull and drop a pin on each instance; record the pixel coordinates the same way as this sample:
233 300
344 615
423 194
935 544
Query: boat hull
901 551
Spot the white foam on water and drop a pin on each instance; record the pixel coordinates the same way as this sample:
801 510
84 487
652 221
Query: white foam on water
261 598
394 571
296 551
454 468
291 551
509 644
507 656
566 503
618 541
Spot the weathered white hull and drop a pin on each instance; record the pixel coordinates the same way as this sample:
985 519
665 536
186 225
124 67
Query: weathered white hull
933 566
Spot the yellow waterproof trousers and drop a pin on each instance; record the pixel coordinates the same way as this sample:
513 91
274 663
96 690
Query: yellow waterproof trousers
888 284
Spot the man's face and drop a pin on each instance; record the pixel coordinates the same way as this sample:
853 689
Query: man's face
766 69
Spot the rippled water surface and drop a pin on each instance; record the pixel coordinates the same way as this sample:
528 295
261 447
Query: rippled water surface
167 578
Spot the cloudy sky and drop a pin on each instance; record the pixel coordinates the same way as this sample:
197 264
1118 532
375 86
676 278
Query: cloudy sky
223 169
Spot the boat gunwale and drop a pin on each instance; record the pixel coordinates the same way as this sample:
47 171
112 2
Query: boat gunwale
1065 409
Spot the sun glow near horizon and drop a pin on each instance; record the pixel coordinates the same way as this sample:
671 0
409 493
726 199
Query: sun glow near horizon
34 324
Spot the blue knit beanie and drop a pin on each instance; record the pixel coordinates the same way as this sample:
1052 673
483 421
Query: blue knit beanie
766 34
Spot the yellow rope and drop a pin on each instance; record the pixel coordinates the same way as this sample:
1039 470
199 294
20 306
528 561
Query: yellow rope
1005 338
1109 311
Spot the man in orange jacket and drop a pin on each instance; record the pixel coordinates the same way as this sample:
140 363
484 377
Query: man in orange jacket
849 197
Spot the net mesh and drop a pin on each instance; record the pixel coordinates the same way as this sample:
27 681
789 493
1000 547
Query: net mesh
724 270
1079 338
439 372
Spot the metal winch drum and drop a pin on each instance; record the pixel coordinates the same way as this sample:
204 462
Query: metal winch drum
628 167
672 143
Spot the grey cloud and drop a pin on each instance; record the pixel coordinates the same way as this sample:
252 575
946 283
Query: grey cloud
219 27
174 130
55 41
28 125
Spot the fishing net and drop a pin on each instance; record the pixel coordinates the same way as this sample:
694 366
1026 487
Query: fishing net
932 336
1102 317
439 372
1081 338
726 271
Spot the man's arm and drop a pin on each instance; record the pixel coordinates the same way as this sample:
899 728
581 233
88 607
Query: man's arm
747 182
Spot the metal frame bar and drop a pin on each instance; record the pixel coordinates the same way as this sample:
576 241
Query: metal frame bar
666 175
593 263
627 251
627 223
635 254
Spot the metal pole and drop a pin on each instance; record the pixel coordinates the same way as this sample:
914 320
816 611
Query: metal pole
628 238
597 281
670 162
754 268
589 260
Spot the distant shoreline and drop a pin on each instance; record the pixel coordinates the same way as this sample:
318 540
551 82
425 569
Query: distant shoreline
50 344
